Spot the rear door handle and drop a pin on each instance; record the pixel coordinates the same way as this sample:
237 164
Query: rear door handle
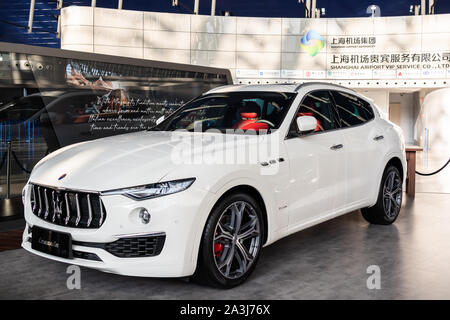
378 138
337 146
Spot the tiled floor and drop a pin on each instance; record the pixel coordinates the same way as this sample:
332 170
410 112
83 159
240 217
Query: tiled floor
328 261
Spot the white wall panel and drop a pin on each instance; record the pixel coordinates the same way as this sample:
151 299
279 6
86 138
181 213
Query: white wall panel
75 35
214 58
167 39
77 16
397 25
258 60
167 21
258 43
178 56
118 18
214 24
118 37
129 52
436 23
269 47
297 26
266 26
432 42
212 41
350 26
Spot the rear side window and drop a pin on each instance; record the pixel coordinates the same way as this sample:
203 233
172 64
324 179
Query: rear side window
352 110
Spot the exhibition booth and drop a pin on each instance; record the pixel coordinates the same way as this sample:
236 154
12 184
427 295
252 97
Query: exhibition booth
321 202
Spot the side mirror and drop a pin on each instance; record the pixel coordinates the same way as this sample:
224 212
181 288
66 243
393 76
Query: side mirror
306 124
160 119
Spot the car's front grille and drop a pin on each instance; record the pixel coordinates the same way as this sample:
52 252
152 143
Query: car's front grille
67 208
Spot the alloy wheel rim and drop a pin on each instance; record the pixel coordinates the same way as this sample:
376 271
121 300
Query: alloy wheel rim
236 240
392 195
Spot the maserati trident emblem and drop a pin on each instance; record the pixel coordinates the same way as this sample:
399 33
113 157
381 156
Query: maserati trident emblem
57 205
62 177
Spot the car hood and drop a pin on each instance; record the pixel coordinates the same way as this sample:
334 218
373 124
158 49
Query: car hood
115 162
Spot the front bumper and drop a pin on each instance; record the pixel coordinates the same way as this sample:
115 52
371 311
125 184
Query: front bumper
178 217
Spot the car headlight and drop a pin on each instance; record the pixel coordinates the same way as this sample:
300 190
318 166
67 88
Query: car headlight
153 190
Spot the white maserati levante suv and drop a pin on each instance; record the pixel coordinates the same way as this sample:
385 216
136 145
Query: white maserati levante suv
202 192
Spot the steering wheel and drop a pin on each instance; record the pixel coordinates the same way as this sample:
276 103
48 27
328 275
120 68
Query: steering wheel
267 122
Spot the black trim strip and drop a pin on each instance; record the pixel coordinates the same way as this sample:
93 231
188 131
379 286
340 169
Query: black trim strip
110 247
59 53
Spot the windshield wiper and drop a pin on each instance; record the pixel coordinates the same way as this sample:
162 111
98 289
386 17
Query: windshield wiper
154 128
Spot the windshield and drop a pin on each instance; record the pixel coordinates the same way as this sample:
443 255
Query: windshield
232 110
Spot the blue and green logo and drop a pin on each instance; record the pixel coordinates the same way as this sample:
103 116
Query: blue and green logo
312 43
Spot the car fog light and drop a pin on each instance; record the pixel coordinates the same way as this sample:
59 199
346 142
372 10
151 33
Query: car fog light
145 216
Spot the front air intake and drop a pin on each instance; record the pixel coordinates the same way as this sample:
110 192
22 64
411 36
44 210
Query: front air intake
67 208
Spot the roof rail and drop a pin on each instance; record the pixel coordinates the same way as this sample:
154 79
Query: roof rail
304 84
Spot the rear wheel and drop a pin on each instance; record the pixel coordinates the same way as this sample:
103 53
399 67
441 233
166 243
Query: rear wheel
231 242
389 201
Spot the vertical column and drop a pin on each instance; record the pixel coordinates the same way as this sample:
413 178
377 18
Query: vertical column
313 9
196 4
213 7
423 7
31 16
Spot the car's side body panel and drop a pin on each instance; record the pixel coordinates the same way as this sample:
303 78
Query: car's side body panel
317 176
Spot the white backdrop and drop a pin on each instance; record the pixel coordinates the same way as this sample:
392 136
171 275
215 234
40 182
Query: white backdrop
412 51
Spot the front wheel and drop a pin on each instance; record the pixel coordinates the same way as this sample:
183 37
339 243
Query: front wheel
231 242
389 201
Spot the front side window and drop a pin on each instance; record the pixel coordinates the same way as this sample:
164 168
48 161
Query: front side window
318 105
352 110
232 110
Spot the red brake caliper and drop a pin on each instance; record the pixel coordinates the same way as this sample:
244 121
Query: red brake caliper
218 248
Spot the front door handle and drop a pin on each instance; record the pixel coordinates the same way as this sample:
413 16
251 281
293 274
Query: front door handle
378 138
337 147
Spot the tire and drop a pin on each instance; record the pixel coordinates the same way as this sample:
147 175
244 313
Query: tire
389 201
221 243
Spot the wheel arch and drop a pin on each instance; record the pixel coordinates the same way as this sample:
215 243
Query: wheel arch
255 194
396 162
232 187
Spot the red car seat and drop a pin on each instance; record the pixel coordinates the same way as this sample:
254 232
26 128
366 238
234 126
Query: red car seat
249 116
